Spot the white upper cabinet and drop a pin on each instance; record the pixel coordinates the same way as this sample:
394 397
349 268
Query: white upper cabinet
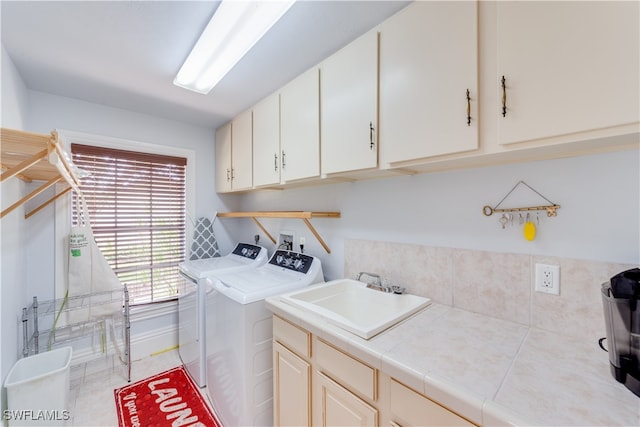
428 61
233 155
569 67
223 158
300 127
349 99
266 142
241 152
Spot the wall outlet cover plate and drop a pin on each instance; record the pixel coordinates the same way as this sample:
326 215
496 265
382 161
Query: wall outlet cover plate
547 279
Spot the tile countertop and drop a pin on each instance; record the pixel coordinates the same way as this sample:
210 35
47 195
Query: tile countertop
490 371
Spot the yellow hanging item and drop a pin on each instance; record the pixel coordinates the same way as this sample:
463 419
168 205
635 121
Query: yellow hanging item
529 231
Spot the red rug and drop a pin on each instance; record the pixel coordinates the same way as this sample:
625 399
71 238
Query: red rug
170 398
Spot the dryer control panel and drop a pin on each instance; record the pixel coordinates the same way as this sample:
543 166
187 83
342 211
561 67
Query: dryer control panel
247 250
292 260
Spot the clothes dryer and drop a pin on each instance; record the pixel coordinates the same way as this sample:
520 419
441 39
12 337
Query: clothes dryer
193 302
239 363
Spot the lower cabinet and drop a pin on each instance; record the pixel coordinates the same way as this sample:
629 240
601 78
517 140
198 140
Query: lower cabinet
292 391
334 405
320 384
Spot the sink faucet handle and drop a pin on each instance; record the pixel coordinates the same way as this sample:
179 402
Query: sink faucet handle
375 276
397 289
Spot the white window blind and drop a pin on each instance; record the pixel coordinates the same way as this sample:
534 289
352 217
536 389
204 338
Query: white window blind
136 204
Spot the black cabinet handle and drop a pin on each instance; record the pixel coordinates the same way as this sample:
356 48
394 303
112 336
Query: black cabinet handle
371 130
468 109
504 97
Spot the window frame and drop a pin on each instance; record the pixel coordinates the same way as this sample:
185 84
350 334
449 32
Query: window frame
63 205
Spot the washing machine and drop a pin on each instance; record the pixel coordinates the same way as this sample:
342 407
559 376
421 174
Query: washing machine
195 301
239 364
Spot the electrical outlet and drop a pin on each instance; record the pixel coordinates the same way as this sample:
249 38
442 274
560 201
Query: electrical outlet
548 279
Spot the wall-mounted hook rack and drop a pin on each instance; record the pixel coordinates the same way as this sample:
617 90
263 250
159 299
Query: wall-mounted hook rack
551 208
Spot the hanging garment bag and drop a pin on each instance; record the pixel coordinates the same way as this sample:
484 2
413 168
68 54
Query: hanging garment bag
90 275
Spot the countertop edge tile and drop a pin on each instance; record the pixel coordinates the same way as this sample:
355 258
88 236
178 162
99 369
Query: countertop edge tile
494 414
457 399
403 373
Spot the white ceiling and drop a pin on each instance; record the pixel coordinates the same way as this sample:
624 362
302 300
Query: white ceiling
125 54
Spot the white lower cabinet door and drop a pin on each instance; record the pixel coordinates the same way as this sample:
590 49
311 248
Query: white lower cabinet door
334 405
291 388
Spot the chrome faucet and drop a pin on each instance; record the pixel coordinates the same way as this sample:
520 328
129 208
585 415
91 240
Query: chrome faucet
378 281
378 285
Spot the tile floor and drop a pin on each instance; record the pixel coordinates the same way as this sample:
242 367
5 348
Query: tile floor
91 400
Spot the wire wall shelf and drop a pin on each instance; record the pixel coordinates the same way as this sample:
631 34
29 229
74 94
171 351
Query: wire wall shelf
77 321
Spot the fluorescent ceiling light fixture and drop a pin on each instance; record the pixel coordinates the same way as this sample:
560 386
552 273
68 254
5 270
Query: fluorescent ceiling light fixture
235 28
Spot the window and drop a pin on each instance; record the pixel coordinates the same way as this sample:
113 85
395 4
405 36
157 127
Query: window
136 203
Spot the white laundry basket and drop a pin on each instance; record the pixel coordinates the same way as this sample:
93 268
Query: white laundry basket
38 389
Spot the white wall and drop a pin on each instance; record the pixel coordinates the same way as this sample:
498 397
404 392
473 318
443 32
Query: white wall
13 109
599 218
13 94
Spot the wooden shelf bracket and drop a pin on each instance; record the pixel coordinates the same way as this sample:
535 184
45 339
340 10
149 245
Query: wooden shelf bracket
35 157
303 215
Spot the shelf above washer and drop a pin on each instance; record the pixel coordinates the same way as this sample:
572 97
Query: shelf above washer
303 215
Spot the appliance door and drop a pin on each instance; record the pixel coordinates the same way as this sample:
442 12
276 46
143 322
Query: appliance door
240 363
191 328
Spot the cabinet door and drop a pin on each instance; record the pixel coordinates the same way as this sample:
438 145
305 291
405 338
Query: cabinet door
300 127
241 152
291 388
569 67
428 60
409 408
349 88
266 141
337 406
223 158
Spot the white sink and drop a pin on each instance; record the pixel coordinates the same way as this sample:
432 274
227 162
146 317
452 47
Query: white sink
350 305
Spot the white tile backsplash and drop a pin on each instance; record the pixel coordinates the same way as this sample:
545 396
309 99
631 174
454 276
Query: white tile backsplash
423 270
490 283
